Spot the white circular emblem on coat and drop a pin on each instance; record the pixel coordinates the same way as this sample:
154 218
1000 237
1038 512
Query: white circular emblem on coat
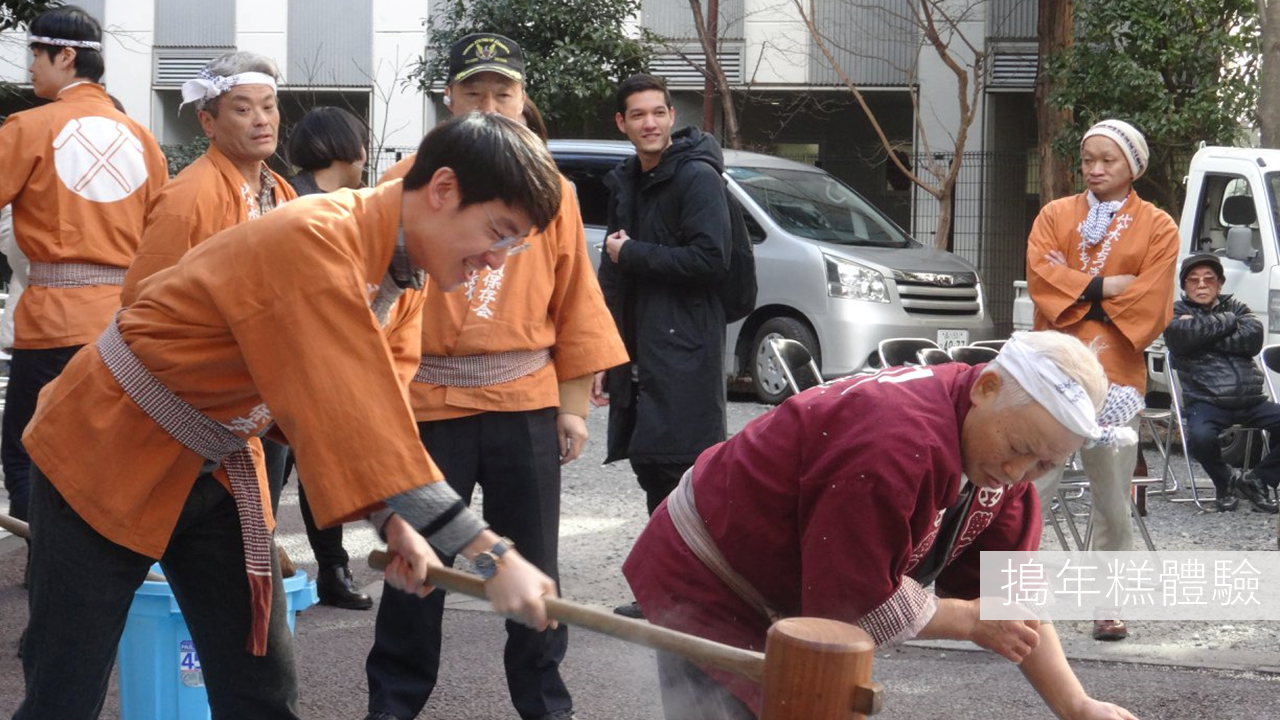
99 159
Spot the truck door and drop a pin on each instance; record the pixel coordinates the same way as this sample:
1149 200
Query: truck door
1227 224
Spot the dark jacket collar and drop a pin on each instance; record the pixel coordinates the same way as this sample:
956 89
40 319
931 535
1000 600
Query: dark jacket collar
687 143
1222 299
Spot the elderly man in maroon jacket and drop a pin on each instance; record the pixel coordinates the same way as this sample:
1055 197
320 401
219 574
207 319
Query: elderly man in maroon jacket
848 500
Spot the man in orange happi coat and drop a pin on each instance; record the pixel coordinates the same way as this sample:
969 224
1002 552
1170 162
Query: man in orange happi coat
501 399
79 174
273 326
1100 267
235 99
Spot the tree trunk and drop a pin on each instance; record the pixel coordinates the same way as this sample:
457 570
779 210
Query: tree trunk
946 216
1269 77
1057 174
709 41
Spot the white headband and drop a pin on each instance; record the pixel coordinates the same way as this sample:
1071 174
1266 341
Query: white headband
208 86
1066 400
86 44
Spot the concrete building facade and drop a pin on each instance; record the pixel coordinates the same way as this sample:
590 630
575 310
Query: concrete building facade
791 99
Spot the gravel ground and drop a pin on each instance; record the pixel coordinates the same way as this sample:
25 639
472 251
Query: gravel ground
603 512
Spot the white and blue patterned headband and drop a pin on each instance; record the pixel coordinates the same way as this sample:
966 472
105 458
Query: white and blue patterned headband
62 42
1127 138
1066 400
207 86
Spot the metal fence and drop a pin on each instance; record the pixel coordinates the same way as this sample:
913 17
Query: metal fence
997 197
381 159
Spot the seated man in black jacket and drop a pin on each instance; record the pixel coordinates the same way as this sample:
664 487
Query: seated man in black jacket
1213 340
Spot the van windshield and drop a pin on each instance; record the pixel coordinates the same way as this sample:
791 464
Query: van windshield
1273 186
815 205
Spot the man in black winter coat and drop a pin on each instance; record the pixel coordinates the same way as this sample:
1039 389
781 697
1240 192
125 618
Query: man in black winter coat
666 254
1213 340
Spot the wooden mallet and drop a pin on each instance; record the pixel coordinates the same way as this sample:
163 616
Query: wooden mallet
811 668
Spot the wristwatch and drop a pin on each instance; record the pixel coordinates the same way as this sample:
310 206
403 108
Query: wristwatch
487 562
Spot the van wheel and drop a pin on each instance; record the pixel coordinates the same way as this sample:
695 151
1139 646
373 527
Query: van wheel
766 376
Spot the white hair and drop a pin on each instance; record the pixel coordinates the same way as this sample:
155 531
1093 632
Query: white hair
1069 354
234 63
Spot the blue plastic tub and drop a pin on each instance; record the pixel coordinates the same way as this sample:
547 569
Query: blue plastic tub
160 677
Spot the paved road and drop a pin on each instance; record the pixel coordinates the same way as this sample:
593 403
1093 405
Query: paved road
1164 671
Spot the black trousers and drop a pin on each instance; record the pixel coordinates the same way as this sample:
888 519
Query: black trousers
82 585
326 544
658 480
514 458
29 372
1206 421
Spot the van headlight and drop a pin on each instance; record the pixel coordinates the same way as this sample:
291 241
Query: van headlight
850 280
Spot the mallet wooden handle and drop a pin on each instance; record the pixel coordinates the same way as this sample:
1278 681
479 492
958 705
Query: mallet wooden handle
23 530
706 652
15 526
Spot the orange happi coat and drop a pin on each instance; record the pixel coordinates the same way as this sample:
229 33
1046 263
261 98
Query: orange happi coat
1142 241
208 196
80 176
545 297
271 313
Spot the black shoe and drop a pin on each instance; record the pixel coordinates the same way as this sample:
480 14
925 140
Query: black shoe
334 588
1109 630
1252 489
560 715
631 610
380 716
1226 500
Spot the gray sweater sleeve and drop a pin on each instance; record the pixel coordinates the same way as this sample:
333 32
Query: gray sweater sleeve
437 512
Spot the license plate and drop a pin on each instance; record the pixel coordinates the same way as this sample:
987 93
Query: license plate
948 339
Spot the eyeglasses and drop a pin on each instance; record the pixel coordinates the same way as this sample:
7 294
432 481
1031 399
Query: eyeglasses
511 244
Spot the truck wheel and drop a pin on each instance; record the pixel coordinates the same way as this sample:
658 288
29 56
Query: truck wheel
767 379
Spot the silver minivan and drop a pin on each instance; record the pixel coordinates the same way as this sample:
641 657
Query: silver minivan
834 273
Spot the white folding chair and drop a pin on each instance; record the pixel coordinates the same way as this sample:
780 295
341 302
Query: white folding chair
996 345
903 351
972 354
1071 489
933 356
1157 415
797 364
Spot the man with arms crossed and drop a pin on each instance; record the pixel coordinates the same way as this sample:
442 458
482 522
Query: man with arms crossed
1099 267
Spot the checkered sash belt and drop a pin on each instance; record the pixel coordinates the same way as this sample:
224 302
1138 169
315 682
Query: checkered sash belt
208 438
480 370
684 515
73 275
